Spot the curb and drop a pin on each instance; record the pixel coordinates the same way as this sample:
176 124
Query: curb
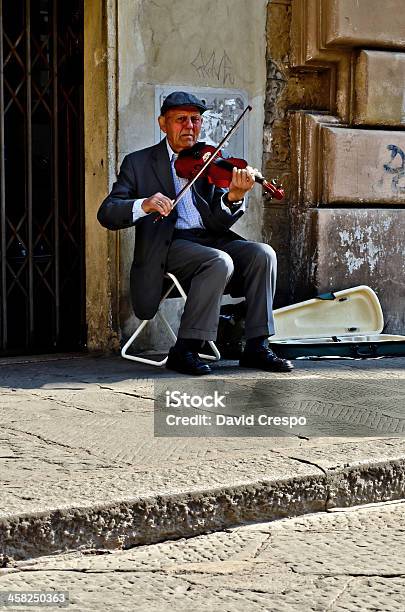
147 520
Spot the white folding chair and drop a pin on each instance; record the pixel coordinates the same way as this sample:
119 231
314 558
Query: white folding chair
174 285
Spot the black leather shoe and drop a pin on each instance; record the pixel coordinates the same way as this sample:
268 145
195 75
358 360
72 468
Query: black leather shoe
186 362
265 359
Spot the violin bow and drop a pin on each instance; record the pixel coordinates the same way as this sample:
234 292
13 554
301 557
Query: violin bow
208 162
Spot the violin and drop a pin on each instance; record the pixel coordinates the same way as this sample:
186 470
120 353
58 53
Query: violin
219 172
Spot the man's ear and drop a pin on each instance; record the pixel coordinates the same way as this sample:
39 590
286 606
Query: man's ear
162 123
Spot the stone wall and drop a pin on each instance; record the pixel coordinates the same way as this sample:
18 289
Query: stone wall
335 111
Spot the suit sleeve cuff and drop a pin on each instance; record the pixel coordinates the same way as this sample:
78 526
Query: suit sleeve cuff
137 210
230 206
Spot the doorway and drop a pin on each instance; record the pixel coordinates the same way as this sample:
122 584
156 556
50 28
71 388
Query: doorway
42 284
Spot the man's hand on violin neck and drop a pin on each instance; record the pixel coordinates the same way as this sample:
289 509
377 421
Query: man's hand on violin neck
158 203
242 182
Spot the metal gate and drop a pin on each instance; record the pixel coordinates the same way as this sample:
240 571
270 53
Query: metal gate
41 176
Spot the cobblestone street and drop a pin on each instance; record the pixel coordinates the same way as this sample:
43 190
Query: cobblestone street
352 560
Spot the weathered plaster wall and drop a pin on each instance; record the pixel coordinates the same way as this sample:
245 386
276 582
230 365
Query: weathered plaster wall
364 247
214 44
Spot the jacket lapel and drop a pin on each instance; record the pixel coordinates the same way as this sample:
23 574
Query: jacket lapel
199 195
201 204
161 168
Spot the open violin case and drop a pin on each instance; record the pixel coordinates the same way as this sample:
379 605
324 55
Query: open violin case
347 323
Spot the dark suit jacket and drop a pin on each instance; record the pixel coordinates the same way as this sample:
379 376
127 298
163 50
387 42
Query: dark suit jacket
142 174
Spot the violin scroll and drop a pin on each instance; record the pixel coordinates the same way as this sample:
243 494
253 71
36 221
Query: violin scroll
274 188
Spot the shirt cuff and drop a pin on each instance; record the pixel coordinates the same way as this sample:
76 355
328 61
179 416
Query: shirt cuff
231 206
137 210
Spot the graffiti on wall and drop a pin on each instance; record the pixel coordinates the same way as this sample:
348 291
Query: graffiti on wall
209 65
396 167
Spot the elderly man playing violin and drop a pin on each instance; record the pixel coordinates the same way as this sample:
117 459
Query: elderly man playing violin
194 242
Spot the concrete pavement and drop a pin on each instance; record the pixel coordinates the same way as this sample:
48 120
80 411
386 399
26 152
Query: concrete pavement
81 467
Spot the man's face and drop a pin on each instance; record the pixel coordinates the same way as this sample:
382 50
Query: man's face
182 127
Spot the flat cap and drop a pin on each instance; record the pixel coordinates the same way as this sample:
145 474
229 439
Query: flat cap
181 98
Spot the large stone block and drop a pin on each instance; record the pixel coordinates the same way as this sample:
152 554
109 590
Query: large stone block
363 166
379 89
337 165
364 23
349 247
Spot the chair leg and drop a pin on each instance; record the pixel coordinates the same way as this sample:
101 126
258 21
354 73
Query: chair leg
126 346
175 283
139 329
215 357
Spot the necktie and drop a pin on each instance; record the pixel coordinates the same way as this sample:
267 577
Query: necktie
188 215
